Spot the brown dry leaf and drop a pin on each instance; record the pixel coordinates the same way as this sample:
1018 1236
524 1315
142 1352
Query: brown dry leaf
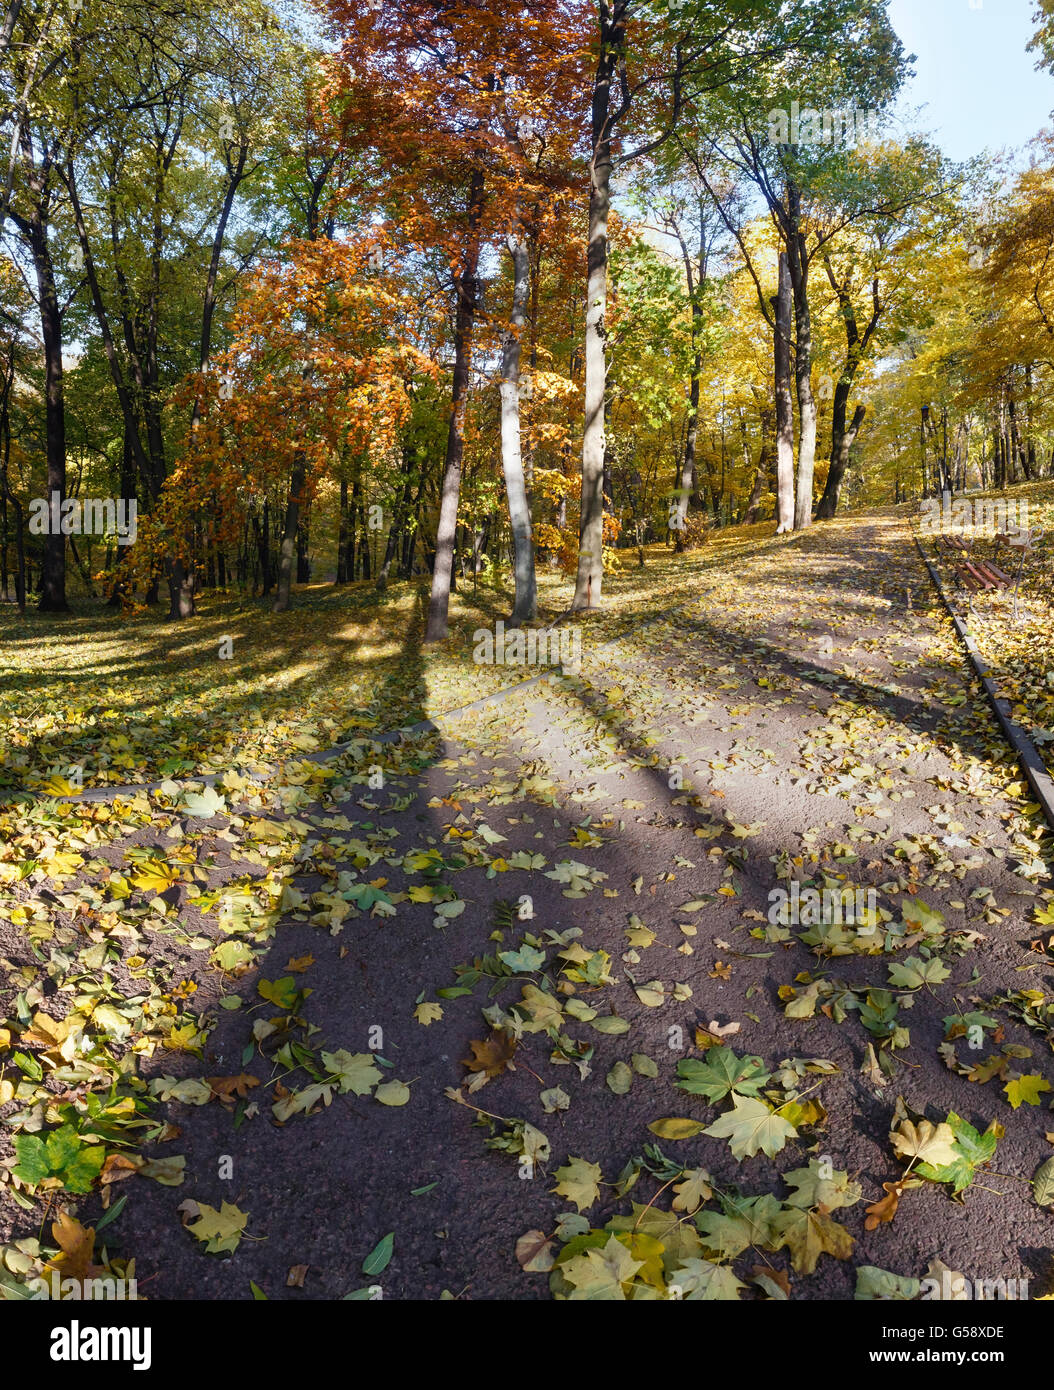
297 1275
885 1209
226 1088
492 1055
721 971
119 1166
299 964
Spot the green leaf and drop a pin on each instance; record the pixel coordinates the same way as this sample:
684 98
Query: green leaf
1025 1090
601 1275
971 1151
32 1166
700 1281
874 1284
377 1261
742 1222
356 1071
620 1079
751 1127
525 961
111 1213
675 1127
813 1189
721 1074
810 1234
611 1025
1043 1184
914 972
282 992
579 1181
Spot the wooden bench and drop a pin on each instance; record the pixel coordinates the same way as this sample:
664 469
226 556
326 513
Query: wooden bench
955 545
982 576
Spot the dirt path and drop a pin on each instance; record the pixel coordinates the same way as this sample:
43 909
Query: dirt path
810 715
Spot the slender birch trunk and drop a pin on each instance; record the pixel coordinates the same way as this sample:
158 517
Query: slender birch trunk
467 293
784 402
526 602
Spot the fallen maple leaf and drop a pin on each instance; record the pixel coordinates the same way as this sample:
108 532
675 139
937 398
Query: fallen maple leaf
226 1088
492 1055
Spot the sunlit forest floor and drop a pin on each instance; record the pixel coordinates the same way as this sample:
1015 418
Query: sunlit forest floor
136 699
519 1017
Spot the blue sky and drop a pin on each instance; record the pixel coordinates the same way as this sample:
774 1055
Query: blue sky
977 83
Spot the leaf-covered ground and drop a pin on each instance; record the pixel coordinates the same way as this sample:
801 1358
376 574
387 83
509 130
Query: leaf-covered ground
136 700
514 1012
1019 653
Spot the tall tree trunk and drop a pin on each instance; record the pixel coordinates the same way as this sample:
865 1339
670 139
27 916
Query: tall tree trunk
591 527
784 402
798 262
395 530
687 481
842 439
53 569
342 535
467 290
525 606
1015 440
287 551
765 456
303 545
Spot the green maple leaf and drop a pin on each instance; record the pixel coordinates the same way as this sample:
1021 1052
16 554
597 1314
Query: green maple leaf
525 961
808 1235
970 1151
700 1281
721 1074
579 1182
544 1010
914 972
743 1222
751 1127
815 1190
918 916
693 1191
221 1231
601 1275
282 992
1025 1090
357 1071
